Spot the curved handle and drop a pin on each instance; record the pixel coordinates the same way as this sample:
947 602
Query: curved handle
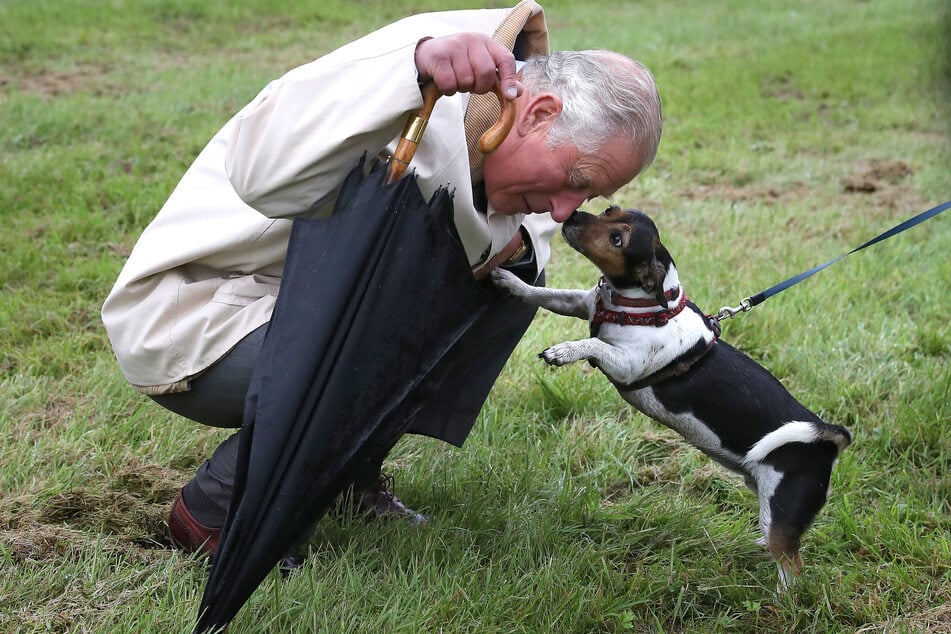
493 137
416 125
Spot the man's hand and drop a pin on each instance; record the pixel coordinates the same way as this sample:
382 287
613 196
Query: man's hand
467 62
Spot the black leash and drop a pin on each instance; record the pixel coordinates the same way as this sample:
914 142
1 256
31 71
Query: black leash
747 304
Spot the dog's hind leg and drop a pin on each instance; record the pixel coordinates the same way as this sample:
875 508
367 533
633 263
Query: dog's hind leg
795 502
779 521
782 539
784 546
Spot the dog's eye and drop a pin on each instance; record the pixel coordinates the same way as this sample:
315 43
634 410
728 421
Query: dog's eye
617 239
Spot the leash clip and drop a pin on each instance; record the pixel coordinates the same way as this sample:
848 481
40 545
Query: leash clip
728 313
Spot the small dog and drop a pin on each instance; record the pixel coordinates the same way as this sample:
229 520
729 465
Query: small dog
665 358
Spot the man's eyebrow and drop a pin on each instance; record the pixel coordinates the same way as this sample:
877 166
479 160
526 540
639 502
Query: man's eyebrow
578 178
581 179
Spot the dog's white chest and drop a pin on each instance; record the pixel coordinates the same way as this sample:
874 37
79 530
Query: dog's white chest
647 350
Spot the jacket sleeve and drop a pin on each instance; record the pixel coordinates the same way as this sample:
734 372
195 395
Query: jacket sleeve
296 141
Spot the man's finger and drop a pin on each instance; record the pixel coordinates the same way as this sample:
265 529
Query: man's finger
485 74
505 62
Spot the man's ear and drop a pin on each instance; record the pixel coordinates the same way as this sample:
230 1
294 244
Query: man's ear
539 113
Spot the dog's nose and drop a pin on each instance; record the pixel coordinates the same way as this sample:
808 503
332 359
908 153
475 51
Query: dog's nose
573 217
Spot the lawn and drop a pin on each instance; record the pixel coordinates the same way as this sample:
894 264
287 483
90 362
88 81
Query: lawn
793 133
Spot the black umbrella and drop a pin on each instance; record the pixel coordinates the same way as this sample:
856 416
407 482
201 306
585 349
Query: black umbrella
371 299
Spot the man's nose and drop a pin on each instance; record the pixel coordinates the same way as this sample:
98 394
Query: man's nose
564 205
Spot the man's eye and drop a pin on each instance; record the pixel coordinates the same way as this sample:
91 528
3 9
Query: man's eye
617 239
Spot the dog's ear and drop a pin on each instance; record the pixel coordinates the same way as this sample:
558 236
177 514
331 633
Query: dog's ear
651 275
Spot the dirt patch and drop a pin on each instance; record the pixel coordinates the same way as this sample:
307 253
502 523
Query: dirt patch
123 530
937 620
129 510
738 193
877 176
882 185
126 516
884 177
56 412
883 188
46 83
30 539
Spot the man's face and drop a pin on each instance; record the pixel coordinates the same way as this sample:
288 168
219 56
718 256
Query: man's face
524 175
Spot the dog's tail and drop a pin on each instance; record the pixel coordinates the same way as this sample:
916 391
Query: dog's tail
797 431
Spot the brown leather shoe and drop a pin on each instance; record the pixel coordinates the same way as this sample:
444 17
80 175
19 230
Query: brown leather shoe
194 537
378 500
188 533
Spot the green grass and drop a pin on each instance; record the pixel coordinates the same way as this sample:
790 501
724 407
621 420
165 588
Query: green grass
794 132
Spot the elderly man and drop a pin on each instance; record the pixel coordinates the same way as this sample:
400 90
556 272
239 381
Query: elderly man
187 315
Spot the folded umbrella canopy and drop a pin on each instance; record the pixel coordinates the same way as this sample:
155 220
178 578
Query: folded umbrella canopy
371 299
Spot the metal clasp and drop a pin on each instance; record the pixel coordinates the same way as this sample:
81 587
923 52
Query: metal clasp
728 313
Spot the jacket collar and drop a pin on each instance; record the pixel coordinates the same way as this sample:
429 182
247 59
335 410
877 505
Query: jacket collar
524 31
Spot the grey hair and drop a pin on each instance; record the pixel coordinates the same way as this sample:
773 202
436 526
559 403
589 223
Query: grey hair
604 94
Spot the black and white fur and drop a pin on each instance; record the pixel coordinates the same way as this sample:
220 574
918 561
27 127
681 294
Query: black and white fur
725 404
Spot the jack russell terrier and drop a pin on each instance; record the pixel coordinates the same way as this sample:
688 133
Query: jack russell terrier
665 358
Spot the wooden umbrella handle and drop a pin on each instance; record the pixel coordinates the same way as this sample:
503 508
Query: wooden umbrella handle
492 138
416 125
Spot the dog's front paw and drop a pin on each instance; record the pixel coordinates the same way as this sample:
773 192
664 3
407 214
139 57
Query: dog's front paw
507 281
559 354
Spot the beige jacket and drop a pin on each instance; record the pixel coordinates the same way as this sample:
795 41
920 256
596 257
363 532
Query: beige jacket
206 271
